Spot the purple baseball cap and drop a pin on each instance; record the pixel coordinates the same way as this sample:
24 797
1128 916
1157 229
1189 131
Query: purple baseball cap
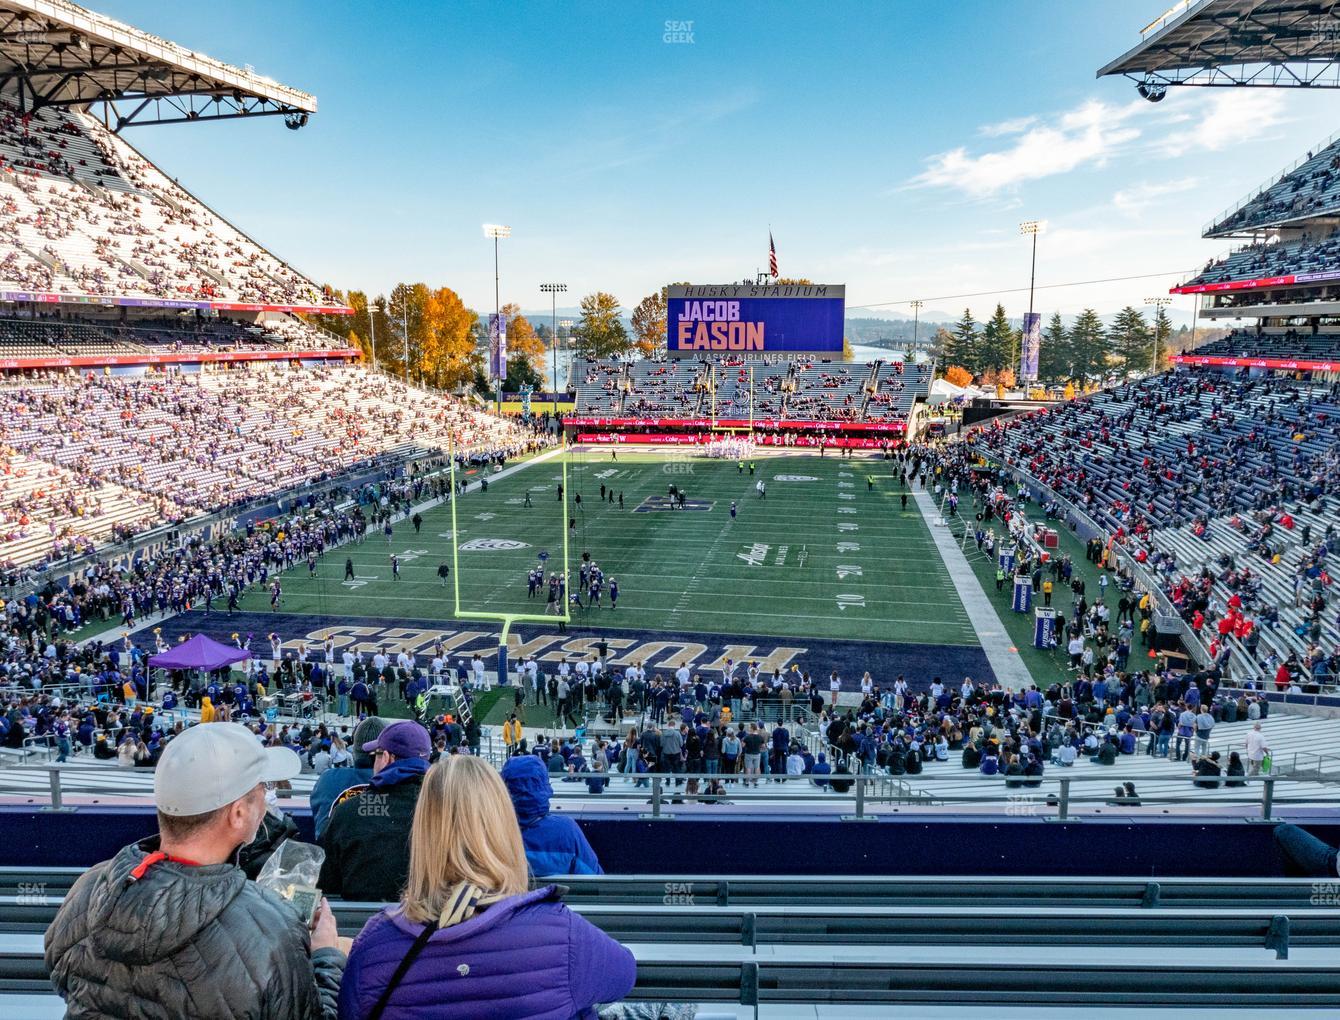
404 739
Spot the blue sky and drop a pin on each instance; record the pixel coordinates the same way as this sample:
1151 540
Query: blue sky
893 146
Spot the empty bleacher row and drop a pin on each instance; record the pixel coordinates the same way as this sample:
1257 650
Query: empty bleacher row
902 945
1279 343
172 445
796 391
1237 477
82 212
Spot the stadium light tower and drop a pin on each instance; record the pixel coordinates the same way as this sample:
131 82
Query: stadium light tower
1034 227
497 231
553 290
916 319
1158 304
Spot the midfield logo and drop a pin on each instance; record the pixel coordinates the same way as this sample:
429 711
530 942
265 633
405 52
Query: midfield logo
655 504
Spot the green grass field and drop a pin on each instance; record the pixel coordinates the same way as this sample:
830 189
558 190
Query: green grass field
823 556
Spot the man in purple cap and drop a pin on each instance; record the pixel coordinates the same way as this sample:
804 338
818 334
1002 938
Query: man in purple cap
367 837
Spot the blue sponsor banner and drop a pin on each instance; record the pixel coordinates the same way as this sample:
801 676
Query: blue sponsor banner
745 319
1032 345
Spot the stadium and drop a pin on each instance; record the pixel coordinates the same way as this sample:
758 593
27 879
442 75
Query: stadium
349 647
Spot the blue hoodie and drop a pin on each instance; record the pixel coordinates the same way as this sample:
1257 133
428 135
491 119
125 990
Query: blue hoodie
554 845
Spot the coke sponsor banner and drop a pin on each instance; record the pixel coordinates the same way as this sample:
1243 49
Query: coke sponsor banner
1287 364
174 358
1265 281
670 438
883 427
703 438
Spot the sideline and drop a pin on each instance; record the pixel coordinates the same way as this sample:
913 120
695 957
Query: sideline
113 633
991 634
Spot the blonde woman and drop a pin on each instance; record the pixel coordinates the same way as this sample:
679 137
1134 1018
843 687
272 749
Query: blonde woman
467 939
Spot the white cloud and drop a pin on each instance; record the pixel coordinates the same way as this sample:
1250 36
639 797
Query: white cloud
1085 136
1138 197
1014 126
1225 117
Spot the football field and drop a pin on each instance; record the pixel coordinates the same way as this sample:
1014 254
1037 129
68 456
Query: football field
828 553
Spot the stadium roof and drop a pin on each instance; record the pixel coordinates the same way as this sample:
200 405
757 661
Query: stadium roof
55 53
1236 42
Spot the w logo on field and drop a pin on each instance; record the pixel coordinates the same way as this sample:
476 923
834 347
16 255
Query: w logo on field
493 545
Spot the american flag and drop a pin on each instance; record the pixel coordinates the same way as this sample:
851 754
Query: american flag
772 256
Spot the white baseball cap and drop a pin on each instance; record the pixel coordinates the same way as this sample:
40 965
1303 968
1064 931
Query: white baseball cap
213 764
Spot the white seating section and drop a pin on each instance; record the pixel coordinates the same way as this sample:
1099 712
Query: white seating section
105 450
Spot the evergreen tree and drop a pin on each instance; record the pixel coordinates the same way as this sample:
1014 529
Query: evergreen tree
1131 341
1088 347
963 347
998 346
1162 335
1054 354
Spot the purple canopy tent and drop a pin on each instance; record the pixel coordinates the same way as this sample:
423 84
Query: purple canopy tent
199 652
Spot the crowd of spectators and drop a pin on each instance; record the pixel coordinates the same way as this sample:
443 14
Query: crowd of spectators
1223 488
165 446
82 212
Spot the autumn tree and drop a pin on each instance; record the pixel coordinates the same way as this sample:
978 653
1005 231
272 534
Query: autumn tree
523 343
649 323
448 343
957 375
601 332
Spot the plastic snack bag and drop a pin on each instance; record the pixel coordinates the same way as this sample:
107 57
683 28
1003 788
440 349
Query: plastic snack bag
292 871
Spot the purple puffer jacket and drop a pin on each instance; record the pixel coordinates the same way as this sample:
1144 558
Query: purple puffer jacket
527 957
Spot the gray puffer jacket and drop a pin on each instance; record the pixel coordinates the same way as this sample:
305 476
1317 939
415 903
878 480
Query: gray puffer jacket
184 941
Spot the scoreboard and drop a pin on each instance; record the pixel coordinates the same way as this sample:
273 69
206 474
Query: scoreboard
744 318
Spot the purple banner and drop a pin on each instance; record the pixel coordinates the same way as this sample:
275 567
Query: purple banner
1032 345
497 346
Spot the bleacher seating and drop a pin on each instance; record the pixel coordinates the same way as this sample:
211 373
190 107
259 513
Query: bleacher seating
1200 471
159 447
794 391
958 945
82 212
1288 344
1310 189
1280 258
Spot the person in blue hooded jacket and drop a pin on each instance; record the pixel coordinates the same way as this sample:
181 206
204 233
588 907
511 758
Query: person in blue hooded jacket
554 844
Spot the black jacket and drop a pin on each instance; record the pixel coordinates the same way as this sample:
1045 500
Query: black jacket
367 841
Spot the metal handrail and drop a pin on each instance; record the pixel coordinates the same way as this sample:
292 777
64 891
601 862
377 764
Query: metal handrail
1262 189
1031 796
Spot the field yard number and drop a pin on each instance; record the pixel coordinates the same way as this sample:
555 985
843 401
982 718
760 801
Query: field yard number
849 547
847 526
756 555
846 570
359 580
850 601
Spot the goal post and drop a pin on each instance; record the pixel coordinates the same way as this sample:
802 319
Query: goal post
507 619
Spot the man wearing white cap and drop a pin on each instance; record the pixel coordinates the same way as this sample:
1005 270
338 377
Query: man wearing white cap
172 927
